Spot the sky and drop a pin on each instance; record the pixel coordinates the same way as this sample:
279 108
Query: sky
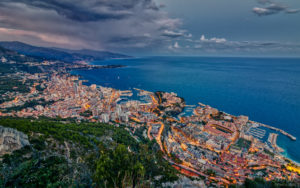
157 27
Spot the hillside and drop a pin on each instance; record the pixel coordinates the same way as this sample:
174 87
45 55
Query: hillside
81 155
16 56
4 51
59 53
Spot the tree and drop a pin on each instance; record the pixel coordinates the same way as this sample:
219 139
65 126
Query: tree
118 168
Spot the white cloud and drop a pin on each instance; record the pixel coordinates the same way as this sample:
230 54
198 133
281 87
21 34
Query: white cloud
261 11
174 47
222 45
214 39
272 8
203 38
172 34
218 40
189 35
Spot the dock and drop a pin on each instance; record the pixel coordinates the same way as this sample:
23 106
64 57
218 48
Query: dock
279 130
273 141
191 106
127 93
255 131
143 92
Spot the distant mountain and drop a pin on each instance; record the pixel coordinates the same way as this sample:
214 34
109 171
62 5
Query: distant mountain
14 56
59 53
5 52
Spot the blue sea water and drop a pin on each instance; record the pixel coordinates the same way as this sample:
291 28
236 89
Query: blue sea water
265 89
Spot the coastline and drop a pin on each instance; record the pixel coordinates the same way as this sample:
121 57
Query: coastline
282 144
286 155
206 139
280 131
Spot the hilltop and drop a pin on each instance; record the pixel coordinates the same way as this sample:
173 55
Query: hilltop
60 54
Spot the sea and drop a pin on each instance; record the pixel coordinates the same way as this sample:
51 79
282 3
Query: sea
265 89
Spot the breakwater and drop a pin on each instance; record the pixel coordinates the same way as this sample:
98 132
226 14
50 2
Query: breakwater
279 130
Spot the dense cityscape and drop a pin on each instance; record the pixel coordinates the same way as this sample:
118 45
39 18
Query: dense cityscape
198 141
149 94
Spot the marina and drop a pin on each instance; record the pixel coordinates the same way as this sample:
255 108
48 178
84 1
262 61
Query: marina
256 132
279 130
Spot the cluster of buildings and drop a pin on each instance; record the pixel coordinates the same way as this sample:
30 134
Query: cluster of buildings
206 141
210 140
66 97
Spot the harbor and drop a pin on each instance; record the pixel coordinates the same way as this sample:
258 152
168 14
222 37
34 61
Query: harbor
272 139
279 130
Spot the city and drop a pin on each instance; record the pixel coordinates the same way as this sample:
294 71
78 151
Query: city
149 93
217 146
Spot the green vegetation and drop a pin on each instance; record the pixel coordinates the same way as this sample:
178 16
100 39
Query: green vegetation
242 143
77 133
12 84
10 80
118 168
175 158
18 66
139 133
39 88
65 154
14 56
50 173
87 113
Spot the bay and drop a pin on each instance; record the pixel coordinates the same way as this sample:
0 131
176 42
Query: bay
265 89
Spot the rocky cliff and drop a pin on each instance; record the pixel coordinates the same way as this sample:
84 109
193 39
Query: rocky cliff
11 140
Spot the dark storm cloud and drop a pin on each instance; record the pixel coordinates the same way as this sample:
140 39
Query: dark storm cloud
108 24
91 10
272 8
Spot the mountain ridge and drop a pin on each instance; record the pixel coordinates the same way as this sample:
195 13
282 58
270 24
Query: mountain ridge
66 55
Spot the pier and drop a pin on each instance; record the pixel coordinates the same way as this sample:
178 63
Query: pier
254 131
278 130
273 141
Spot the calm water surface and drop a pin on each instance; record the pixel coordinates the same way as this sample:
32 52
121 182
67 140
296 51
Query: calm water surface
265 89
